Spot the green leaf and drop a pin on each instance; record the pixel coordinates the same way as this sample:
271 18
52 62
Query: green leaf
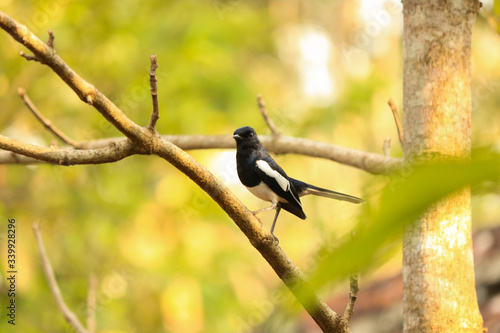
496 13
405 197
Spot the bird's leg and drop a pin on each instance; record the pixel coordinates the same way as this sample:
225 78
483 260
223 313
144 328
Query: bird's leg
273 206
278 208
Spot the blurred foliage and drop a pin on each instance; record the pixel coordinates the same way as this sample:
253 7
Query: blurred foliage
404 198
167 258
496 12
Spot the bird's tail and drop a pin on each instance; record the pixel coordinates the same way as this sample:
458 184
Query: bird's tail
306 189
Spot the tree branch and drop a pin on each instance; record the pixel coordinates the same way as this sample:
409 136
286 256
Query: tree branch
369 162
395 114
261 239
29 57
372 163
70 317
112 153
46 122
353 295
155 114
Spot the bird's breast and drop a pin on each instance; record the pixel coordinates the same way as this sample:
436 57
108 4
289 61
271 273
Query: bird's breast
263 192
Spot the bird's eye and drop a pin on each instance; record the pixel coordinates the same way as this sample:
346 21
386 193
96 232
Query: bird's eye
250 135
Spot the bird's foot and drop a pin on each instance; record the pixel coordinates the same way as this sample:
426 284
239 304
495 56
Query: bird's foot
276 240
261 223
272 240
255 212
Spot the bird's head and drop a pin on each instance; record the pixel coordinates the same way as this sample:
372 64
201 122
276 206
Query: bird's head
246 139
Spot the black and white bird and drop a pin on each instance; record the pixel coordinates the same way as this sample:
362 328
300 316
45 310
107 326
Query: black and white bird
265 179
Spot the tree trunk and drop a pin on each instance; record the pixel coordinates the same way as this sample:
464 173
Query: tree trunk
438 269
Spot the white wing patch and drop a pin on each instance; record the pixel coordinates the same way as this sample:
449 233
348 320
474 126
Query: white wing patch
266 168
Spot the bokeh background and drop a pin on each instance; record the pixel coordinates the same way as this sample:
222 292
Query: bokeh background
166 257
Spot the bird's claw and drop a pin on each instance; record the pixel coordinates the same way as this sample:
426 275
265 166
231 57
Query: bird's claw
276 240
261 223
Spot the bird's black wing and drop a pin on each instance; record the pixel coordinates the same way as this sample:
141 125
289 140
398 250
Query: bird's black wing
277 180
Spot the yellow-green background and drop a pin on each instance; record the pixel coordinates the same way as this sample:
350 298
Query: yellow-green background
166 257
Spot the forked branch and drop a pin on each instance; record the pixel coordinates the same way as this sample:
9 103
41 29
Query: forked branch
369 162
46 122
142 140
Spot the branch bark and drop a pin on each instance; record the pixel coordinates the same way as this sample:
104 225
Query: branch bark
115 151
265 115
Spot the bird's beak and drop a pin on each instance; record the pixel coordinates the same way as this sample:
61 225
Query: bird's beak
236 137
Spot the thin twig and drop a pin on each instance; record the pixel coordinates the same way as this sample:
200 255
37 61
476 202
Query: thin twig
140 137
70 317
46 122
29 57
91 304
155 114
353 290
369 162
353 294
395 113
50 43
265 115
261 239
386 147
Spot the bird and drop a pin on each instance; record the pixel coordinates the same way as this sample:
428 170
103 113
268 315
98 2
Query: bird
265 179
